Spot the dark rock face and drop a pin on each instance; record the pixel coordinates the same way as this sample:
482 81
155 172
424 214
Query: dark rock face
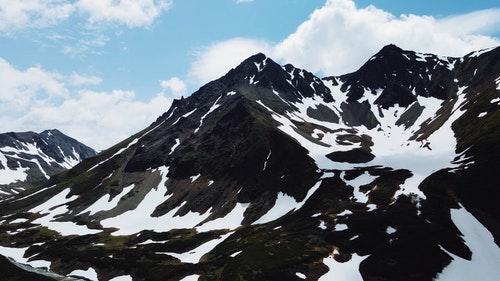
357 155
287 173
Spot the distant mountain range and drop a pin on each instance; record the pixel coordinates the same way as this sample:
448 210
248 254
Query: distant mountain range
28 159
272 173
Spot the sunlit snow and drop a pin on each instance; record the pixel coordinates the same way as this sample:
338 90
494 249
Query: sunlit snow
194 255
104 203
49 219
90 274
485 253
348 271
193 277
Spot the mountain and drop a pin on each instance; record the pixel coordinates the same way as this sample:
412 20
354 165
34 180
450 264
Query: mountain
28 159
271 173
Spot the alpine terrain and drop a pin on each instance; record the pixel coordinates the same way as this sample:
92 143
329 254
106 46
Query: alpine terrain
272 173
28 159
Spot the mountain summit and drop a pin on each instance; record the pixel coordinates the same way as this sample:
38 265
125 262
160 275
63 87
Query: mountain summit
272 173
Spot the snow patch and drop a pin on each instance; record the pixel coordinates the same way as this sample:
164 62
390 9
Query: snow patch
485 253
194 178
390 230
300 275
212 109
482 114
105 203
90 274
195 255
285 204
122 278
50 213
235 254
17 254
193 277
340 227
342 271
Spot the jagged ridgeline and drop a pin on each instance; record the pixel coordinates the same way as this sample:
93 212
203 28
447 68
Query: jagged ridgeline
271 173
28 159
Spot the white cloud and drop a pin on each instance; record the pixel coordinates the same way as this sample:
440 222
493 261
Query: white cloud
16 15
82 80
98 119
215 60
132 13
243 1
21 88
175 85
22 14
339 37
36 99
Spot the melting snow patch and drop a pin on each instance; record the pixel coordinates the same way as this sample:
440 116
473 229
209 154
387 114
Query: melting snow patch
285 204
193 277
496 100
139 219
122 278
90 274
177 142
17 254
194 178
194 255
342 271
64 227
482 114
340 227
344 213
104 203
231 93
214 107
19 221
390 230
485 253
230 221
322 225
300 275
235 254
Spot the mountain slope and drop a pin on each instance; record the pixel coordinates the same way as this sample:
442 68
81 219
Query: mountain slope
272 173
28 159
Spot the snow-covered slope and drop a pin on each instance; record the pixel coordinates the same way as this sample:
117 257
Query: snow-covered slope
28 159
271 173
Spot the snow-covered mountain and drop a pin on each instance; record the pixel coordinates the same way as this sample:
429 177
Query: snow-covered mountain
28 159
271 173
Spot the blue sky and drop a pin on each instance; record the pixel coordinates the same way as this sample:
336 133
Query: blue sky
100 70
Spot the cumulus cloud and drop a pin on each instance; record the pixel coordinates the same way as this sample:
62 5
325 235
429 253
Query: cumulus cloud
174 85
35 99
215 60
16 15
20 88
339 37
98 119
